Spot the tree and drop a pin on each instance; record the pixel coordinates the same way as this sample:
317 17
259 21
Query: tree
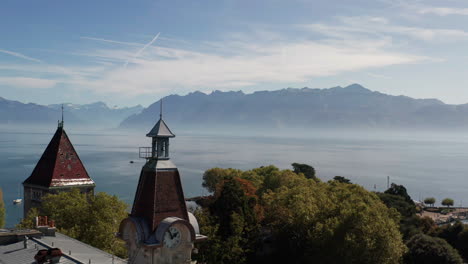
399 190
341 179
29 221
232 223
430 201
457 236
214 176
315 222
2 210
447 202
307 170
91 219
424 249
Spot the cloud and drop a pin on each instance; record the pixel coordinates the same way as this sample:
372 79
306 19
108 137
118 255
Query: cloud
18 55
443 11
27 82
237 61
169 70
379 26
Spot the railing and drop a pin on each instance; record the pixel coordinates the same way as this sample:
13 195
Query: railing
145 152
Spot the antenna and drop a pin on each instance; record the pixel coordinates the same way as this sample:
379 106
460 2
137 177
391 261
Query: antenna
161 108
62 114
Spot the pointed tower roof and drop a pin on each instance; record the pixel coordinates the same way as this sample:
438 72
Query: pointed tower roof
160 130
59 165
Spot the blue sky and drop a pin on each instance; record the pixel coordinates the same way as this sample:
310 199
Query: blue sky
134 52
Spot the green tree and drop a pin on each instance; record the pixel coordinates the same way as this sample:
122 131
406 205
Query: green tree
457 236
314 222
307 170
341 179
213 177
430 201
91 219
424 249
405 208
30 220
399 190
447 202
232 223
2 210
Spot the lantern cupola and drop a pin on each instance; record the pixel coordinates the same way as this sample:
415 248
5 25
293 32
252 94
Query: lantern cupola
160 135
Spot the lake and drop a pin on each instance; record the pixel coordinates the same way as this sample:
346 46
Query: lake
431 165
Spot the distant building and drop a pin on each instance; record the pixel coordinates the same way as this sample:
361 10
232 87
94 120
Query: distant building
59 169
159 229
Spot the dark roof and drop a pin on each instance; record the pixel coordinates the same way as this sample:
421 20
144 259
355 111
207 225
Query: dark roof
80 252
159 195
59 165
160 130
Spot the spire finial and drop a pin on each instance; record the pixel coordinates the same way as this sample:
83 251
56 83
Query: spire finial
60 123
160 110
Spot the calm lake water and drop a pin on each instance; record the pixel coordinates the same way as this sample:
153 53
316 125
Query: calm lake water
428 166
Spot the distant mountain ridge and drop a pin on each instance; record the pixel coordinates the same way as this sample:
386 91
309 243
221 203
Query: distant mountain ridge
98 113
350 106
14 112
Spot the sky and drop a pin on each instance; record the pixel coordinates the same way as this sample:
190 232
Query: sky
126 53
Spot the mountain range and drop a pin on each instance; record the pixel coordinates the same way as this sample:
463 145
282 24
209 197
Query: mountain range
351 106
14 112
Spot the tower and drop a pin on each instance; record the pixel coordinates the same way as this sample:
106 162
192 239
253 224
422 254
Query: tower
58 169
159 229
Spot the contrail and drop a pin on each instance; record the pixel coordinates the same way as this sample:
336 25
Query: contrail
19 55
113 41
142 49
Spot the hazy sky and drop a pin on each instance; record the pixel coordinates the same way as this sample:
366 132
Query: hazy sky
134 52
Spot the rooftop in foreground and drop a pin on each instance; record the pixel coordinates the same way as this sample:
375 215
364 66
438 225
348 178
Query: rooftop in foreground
74 251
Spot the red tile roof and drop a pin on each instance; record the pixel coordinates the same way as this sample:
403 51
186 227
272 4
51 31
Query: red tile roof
59 165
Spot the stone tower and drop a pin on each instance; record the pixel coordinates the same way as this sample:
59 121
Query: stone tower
59 169
159 229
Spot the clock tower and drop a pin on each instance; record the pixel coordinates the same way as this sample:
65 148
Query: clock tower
159 229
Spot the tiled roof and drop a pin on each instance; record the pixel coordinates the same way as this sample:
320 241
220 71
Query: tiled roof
160 130
159 195
59 165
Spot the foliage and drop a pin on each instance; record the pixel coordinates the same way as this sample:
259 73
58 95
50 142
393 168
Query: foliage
91 219
405 208
430 200
2 210
231 222
30 220
447 202
399 190
341 179
397 197
424 249
214 176
457 236
307 170
315 222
